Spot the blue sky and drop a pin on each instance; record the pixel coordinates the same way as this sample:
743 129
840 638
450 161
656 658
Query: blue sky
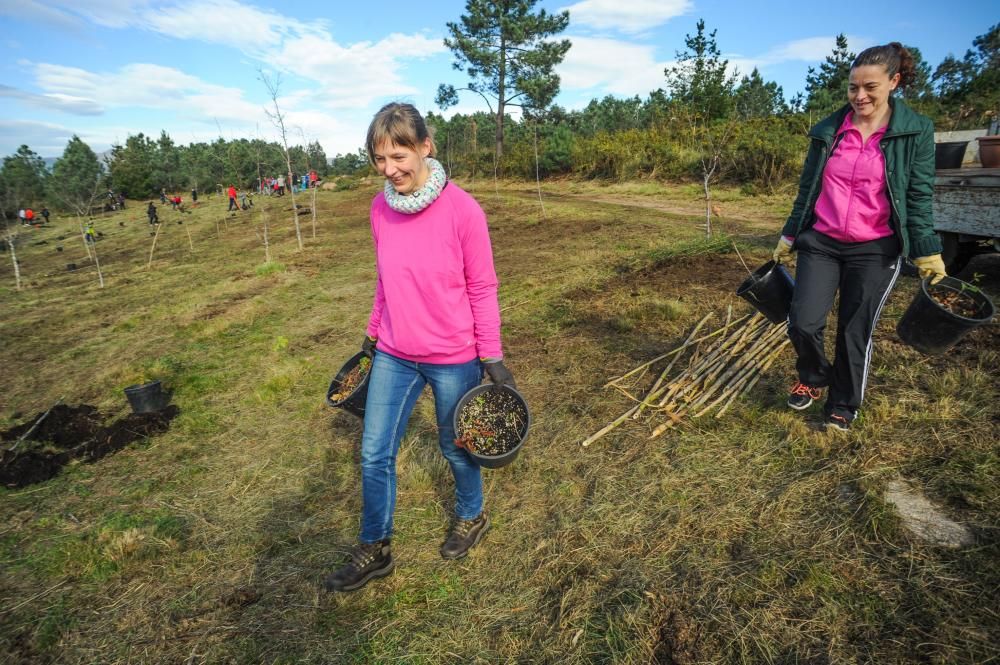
104 69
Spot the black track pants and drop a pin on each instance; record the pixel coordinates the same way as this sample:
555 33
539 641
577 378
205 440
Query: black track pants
864 273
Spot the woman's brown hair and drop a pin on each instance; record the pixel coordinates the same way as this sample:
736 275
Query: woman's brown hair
896 59
400 124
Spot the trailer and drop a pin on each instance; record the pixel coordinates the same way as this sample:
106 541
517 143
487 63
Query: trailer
966 214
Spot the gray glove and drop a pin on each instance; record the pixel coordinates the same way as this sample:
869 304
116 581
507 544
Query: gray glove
368 346
498 372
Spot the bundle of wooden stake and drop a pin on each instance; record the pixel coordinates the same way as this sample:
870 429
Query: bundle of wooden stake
721 366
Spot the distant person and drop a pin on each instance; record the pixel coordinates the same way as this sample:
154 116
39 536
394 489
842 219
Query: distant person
232 199
90 234
434 320
29 216
45 215
163 195
121 200
194 195
20 215
177 202
281 185
246 201
151 213
864 203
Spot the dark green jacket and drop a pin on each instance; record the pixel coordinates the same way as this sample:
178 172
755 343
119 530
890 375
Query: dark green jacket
908 146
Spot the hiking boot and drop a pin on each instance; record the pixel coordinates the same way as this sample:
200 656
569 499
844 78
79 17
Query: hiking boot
368 561
800 396
464 535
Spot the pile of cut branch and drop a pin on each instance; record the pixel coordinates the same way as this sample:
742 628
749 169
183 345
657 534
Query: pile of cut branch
721 366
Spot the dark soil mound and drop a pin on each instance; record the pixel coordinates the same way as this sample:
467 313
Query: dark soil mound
68 433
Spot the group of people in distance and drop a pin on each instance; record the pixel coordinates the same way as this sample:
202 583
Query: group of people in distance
27 216
863 205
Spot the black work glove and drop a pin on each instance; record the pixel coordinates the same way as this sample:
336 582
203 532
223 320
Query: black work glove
368 346
498 373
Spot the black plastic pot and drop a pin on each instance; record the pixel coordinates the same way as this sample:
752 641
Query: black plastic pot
949 155
147 397
355 402
494 461
930 328
769 289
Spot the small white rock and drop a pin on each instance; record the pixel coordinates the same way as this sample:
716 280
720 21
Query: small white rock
925 520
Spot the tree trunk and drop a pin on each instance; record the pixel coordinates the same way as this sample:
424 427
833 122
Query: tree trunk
312 207
13 260
100 275
83 236
707 173
538 180
500 98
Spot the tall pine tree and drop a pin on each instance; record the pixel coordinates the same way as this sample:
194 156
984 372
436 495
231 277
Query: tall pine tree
506 50
826 89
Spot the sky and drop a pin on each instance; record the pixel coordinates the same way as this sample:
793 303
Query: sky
107 69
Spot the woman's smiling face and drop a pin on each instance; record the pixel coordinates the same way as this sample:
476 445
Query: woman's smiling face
869 89
404 167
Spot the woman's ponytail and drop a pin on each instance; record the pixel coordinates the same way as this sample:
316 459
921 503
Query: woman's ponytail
896 59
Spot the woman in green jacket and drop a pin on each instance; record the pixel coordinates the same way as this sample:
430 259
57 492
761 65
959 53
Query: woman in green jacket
864 202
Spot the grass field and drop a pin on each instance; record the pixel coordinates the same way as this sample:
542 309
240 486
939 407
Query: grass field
755 538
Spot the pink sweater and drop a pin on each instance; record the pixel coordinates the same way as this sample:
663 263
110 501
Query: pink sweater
853 205
436 294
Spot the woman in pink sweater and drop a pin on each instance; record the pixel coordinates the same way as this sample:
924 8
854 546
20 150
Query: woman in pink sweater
435 320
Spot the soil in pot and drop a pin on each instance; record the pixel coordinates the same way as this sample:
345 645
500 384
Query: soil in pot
353 379
956 302
491 423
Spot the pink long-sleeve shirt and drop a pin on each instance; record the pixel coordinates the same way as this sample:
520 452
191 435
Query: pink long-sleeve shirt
853 205
436 293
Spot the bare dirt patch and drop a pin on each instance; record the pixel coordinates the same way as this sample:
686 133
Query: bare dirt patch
71 433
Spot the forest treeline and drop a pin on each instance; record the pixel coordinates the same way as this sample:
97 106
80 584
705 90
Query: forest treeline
742 127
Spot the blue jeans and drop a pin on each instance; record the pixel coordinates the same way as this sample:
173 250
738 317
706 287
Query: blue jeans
393 389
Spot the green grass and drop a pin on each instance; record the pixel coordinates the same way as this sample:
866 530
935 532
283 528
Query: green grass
752 538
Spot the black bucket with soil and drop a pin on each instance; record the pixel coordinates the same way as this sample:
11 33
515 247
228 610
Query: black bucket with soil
941 314
769 289
949 154
491 423
349 388
147 397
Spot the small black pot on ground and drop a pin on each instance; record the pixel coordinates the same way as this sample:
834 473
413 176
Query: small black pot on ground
502 418
357 395
941 314
147 397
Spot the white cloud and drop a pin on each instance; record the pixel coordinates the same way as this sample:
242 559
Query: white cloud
627 15
808 49
227 22
47 139
613 66
147 86
54 101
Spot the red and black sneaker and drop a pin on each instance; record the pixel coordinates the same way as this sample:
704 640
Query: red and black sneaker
800 396
839 422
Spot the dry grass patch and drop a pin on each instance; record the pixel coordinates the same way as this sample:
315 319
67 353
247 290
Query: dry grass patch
752 538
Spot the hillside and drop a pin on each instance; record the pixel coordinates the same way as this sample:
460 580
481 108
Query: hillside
756 537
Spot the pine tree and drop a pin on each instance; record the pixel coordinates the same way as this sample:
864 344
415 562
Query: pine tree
756 99
699 79
505 49
826 89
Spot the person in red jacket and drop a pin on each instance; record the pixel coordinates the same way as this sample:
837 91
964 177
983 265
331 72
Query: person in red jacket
232 199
